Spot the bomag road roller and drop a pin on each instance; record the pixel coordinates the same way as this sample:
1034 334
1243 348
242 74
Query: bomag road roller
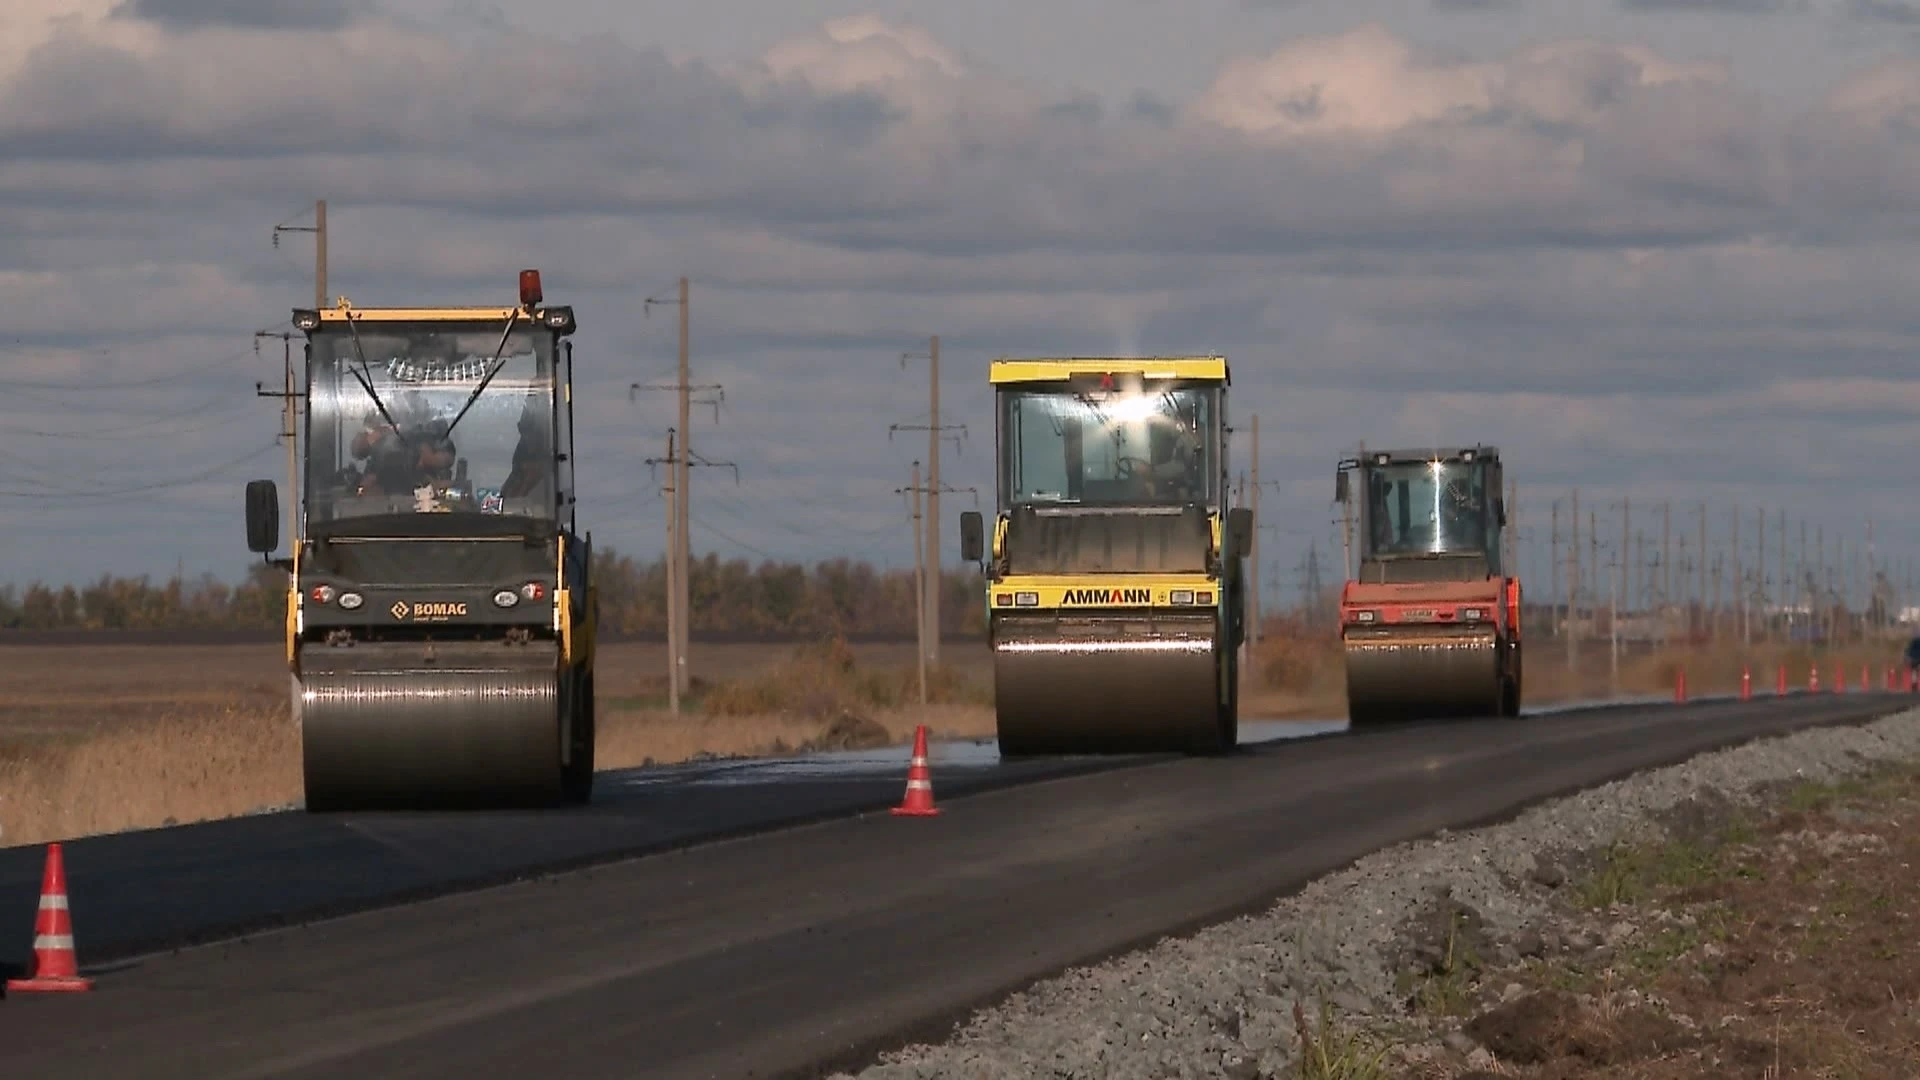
1115 590
440 611
1430 623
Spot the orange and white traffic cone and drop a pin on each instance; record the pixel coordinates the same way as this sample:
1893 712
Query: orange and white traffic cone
1680 687
919 799
1746 683
55 966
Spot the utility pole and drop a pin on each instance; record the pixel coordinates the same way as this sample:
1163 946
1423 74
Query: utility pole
1760 570
1253 556
1613 622
319 231
932 585
681 490
1573 584
1626 547
1740 590
912 492
1666 554
1314 588
674 665
1553 564
289 414
1593 556
684 388
1788 628
1701 554
672 577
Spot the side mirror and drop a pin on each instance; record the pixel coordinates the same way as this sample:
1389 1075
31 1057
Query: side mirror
263 516
972 536
1240 530
1500 511
1340 486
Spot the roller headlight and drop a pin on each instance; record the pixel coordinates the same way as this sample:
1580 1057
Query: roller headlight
506 598
351 600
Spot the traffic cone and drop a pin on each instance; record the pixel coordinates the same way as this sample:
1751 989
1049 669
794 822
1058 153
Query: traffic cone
919 800
1680 687
1780 681
1746 683
55 968
1813 679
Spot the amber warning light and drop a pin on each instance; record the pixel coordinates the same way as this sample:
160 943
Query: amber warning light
530 288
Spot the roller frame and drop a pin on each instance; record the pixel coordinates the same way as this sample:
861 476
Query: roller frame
1114 682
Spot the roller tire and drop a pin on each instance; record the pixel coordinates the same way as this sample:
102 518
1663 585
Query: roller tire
1226 734
576 777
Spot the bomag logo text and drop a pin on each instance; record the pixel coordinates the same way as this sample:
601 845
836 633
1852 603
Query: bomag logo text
1108 596
437 610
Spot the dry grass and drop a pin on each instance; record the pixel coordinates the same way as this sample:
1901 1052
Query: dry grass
1297 675
105 738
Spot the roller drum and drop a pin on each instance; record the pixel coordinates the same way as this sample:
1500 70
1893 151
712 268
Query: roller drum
431 738
1395 674
1108 685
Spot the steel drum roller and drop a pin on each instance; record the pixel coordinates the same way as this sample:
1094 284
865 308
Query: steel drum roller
1105 685
434 737
1405 674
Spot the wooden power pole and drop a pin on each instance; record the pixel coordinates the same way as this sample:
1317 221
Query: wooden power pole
930 545
919 578
1253 555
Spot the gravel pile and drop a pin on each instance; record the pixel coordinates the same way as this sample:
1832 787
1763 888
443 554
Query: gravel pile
1222 1003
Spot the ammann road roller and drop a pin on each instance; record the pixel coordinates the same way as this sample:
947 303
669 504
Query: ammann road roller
440 610
1430 623
1115 585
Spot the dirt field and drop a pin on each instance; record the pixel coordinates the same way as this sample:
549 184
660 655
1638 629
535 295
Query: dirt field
1776 945
104 738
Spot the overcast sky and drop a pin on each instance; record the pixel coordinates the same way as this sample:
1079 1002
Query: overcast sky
1652 248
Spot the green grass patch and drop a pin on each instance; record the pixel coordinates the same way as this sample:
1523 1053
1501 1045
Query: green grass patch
1330 1050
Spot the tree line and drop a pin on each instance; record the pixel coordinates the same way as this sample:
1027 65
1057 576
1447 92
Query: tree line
731 597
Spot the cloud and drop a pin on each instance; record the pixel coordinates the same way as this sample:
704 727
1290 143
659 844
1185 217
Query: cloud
1625 268
260 14
1717 7
1889 12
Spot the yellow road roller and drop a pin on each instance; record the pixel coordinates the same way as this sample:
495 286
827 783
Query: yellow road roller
440 606
1115 583
1430 624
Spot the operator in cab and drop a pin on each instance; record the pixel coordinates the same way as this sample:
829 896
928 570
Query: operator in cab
1174 465
406 455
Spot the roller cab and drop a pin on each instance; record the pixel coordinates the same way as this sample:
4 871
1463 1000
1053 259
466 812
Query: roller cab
1114 593
1430 624
440 606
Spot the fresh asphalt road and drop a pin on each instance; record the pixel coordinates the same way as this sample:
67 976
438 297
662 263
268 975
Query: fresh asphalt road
775 953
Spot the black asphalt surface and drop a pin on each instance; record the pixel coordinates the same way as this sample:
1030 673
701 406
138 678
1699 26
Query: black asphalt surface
161 888
777 953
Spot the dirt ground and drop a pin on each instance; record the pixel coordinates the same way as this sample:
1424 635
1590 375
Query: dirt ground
1770 945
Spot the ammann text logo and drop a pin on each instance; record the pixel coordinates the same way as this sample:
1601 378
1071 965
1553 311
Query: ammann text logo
1108 596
